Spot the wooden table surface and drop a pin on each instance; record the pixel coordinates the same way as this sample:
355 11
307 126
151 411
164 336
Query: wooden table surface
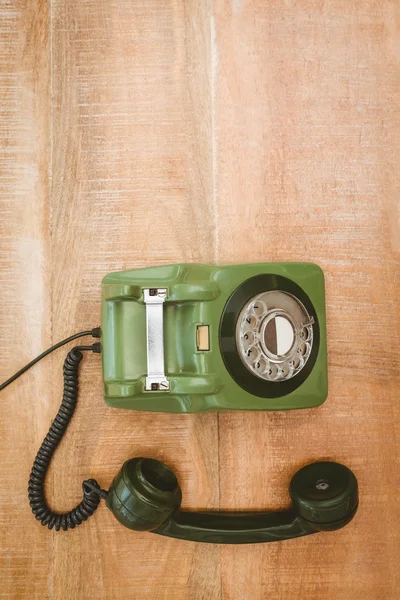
153 132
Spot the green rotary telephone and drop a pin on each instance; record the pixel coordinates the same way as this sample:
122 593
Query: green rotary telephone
190 338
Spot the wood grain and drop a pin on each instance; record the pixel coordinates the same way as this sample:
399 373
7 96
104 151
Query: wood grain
25 266
140 133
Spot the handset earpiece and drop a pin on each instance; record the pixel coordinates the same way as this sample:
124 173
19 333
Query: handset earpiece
325 495
145 496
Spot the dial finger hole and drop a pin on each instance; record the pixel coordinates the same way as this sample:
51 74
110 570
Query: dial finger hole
248 339
301 363
253 353
285 371
272 371
302 349
306 334
258 308
249 321
295 363
261 365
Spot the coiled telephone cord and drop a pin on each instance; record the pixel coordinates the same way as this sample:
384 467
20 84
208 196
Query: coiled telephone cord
92 492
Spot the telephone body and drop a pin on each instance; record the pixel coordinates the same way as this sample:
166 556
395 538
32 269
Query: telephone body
192 337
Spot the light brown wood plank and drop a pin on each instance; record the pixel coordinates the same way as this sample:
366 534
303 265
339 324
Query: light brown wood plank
25 263
131 187
307 150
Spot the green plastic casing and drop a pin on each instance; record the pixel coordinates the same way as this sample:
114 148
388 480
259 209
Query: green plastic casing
199 380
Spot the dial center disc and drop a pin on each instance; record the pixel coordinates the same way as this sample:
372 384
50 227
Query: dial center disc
277 335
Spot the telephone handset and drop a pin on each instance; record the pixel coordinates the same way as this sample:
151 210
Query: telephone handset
146 496
188 338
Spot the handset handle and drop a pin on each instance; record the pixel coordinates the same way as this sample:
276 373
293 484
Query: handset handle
234 527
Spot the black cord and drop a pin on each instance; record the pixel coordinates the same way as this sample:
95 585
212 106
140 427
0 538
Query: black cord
91 489
96 332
